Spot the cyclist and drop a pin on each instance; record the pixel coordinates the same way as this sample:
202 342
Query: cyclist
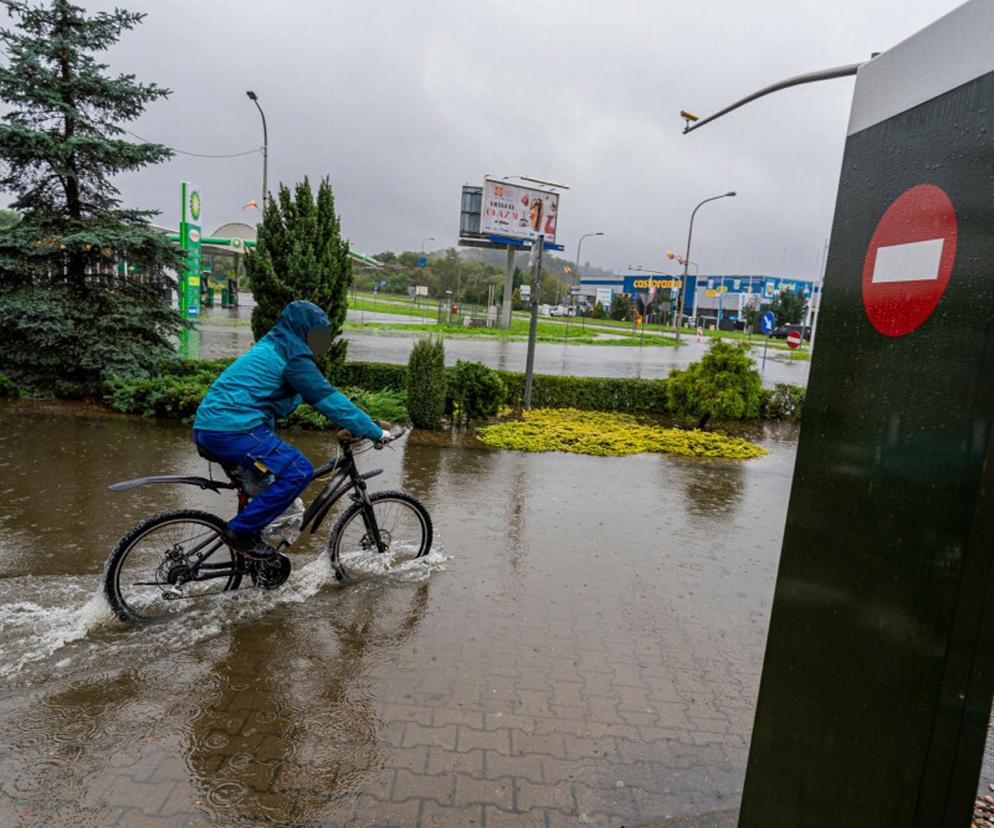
235 420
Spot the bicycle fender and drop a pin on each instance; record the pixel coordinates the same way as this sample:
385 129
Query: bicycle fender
202 482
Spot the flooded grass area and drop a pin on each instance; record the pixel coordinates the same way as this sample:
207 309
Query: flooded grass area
583 644
223 333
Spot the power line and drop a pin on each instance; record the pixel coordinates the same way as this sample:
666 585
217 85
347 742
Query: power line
195 154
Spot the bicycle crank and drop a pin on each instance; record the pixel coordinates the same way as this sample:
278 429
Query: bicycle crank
270 574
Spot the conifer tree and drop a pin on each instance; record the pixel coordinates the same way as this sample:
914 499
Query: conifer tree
300 254
83 280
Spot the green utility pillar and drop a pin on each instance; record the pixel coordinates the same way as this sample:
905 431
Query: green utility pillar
876 687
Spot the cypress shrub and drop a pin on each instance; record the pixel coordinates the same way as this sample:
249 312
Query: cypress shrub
426 383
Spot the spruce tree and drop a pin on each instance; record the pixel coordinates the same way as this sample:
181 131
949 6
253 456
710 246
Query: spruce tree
83 281
300 254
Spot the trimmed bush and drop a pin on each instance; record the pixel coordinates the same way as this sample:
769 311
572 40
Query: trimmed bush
724 384
374 376
475 392
633 396
784 402
426 383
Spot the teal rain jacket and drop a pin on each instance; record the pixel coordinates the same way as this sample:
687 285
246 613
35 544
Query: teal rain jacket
274 377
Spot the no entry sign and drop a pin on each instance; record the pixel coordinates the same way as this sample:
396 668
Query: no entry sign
794 340
880 653
909 260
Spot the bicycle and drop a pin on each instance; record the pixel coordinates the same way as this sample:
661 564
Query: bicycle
177 556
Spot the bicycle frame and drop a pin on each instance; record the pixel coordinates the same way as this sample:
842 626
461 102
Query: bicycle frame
347 477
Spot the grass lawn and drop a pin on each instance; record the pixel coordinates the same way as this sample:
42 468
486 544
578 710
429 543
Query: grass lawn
546 332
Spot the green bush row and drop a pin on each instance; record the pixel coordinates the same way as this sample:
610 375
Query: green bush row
635 396
176 391
8 388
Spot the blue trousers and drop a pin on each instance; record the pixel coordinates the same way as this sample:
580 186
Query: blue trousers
255 448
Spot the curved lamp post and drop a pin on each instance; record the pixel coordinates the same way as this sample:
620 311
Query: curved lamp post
265 149
579 244
686 259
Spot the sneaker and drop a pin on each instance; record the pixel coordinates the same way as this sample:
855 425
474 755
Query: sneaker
249 545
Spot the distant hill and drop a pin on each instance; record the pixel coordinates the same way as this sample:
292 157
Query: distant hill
552 261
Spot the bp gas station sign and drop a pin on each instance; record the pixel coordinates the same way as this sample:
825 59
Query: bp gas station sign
190 233
877 682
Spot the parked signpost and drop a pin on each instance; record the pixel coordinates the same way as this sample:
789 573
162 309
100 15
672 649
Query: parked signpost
766 325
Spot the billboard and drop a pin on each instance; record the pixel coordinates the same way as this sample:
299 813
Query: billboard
518 212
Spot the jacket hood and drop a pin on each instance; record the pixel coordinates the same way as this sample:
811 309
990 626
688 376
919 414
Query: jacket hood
296 320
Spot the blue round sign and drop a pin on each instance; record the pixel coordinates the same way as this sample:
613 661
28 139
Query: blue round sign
768 322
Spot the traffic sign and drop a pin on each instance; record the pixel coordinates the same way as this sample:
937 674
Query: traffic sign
794 340
768 323
909 260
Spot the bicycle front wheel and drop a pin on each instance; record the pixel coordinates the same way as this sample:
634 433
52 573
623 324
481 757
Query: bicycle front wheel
404 527
151 573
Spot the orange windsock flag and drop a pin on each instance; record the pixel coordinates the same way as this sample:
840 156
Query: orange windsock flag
251 203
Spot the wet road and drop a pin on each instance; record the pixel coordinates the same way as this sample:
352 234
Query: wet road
217 337
584 644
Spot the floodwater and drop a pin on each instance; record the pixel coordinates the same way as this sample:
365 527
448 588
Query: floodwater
583 644
219 334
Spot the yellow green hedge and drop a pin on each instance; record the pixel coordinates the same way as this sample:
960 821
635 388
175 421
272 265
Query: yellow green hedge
609 435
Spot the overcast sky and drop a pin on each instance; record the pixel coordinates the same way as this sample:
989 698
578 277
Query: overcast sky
401 103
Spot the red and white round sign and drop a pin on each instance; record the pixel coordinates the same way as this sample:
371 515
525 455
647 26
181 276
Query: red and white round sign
794 339
909 260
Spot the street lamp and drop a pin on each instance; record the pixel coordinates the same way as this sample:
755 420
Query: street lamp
430 238
578 246
686 259
265 150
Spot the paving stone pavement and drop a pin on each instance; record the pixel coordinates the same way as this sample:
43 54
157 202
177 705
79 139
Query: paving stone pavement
538 679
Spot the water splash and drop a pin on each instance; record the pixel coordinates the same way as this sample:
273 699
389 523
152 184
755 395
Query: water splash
42 616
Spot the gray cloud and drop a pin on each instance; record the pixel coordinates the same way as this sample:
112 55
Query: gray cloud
402 103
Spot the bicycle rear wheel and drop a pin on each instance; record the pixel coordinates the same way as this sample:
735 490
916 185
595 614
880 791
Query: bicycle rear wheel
148 575
405 528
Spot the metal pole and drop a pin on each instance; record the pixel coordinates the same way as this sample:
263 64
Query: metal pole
538 244
505 309
265 150
820 287
686 258
797 80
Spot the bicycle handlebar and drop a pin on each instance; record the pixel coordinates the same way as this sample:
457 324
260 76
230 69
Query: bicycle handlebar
347 437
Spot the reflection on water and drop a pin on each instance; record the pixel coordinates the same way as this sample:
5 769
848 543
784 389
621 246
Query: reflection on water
286 726
582 596
713 490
